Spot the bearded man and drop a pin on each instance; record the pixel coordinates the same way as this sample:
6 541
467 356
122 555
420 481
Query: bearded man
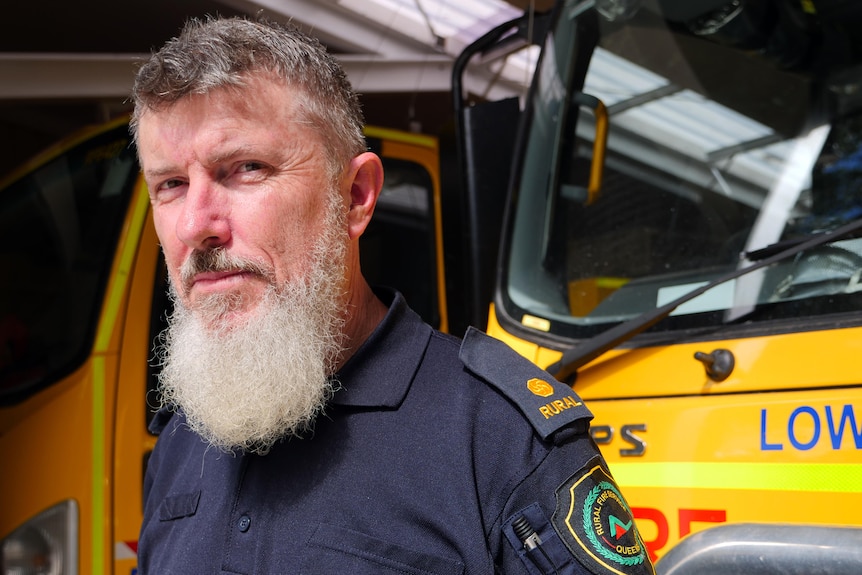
312 424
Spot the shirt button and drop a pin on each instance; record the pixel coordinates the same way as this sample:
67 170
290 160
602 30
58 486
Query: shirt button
244 523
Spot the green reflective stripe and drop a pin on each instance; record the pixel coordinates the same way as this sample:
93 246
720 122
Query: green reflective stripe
825 477
118 286
98 486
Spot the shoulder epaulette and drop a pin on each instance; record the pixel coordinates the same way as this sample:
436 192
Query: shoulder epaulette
548 404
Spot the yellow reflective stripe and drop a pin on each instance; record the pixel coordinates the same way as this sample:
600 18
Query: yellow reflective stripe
825 477
98 485
118 285
116 290
399 136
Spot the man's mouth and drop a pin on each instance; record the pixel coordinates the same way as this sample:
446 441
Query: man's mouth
218 280
217 270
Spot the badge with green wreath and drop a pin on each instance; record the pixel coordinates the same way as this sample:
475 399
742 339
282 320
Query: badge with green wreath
596 524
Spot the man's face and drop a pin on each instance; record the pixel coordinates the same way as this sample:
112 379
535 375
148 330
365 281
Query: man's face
255 236
235 170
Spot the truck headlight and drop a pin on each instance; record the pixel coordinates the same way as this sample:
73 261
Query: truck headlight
46 544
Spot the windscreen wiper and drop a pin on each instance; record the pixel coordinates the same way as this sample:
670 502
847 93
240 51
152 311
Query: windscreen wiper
778 247
580 355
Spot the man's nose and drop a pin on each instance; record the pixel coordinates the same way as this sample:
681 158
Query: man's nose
204 221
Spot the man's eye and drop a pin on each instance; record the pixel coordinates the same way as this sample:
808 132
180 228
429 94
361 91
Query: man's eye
167 190
250 167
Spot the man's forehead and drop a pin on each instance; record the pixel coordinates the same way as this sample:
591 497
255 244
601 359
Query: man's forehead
222 122
252 95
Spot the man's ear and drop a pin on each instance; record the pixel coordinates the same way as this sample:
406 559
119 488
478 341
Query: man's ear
365 176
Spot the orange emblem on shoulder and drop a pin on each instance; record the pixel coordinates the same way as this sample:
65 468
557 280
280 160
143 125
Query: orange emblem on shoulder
540 387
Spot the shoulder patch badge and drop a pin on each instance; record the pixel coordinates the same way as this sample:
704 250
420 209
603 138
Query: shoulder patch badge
595 522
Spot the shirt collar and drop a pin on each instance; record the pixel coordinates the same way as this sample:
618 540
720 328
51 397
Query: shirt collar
381 371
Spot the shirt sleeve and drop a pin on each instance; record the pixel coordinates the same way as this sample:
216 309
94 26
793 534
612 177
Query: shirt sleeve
569 517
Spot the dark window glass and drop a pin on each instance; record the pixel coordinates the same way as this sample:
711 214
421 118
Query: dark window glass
58 230
397 249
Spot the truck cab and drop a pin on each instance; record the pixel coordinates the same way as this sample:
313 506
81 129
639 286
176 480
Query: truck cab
681 244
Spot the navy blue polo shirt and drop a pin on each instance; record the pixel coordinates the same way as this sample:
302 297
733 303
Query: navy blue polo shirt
436 457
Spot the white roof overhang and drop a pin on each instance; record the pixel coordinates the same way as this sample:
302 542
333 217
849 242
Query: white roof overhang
384 45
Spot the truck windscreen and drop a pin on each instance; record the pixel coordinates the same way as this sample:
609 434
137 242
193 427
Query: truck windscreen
732 127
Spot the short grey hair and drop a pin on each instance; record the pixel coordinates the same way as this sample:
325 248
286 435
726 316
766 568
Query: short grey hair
224 52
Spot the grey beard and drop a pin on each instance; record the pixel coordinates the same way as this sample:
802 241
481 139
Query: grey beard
244 386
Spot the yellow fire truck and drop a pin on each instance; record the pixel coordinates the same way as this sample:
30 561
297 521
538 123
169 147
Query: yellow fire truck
682 242
669 222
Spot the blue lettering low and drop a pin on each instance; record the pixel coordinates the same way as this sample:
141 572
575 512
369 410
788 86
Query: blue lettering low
798 428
